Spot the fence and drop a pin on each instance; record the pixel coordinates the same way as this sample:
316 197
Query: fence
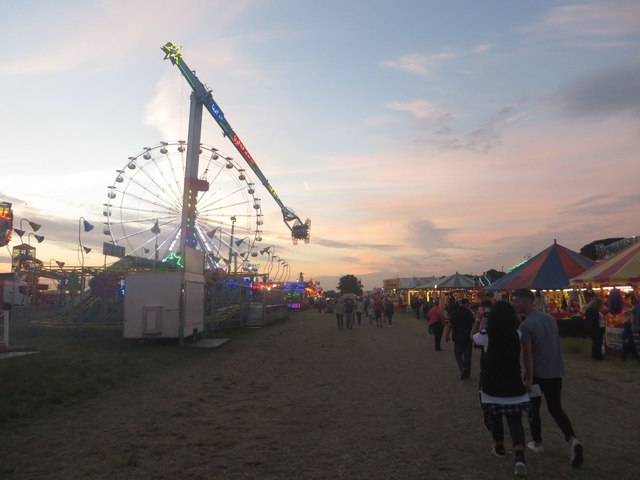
4 320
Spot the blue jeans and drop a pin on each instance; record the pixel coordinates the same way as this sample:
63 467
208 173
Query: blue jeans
462 351
350 319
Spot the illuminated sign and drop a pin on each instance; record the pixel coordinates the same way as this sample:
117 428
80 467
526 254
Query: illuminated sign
6 223
217 111
510 269
172 52
240 146
174 258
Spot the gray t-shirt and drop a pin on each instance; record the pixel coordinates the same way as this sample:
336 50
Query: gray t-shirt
541 331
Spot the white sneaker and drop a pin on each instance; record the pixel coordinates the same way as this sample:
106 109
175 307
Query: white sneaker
576 453
534 447
520 469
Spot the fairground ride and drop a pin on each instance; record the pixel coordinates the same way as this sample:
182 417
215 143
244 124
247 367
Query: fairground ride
202 96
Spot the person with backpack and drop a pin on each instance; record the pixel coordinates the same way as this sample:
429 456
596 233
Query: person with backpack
459 329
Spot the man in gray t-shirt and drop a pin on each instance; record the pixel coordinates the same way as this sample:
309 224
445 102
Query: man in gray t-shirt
541 347
541 331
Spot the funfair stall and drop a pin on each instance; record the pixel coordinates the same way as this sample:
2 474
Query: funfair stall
617 281
548 273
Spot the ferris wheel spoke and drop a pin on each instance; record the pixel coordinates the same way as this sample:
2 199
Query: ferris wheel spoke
167 214
165 221
172 203
210 198
174 184
169 240
220 208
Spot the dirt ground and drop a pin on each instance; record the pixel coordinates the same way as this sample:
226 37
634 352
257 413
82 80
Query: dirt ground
302 400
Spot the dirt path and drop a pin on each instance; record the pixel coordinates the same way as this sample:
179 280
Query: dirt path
302 400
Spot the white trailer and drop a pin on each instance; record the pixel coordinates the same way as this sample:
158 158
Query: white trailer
13 291
152 304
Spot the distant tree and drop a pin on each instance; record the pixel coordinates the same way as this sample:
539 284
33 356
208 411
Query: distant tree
494 274
331 294
350 284
590 250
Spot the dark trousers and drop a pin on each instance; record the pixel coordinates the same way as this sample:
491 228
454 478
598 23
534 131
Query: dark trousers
437 329
516 429
552 392
359 317
630 348
596 343
462 352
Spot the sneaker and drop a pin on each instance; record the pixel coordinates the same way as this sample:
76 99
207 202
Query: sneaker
498 451
534 447
576 453
520 469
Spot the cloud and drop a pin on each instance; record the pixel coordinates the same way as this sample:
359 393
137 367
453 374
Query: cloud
426 235
604 24
354 245
418 63
614 91
86 38
482 48
486 137
419 108
602 205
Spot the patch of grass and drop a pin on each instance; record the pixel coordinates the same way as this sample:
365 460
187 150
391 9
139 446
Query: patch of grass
576 345
73 365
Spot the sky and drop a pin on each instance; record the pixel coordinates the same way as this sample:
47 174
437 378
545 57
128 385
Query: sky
421 138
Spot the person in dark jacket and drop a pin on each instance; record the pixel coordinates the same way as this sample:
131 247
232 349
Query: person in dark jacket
594 327
459 328
502 392
628 342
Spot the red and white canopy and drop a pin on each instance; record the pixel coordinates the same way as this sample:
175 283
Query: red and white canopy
621 269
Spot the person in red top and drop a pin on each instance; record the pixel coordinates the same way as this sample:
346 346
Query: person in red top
436 320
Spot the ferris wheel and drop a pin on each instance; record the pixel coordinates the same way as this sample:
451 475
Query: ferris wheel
144 208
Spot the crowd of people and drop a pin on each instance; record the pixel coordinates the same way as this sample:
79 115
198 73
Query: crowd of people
379 309
520 361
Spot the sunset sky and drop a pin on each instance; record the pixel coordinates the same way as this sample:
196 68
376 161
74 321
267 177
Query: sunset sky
421 137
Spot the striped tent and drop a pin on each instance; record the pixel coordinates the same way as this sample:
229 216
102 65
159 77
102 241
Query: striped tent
455 281
550 269
621 269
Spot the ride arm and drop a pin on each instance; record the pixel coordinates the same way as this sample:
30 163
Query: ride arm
300 230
